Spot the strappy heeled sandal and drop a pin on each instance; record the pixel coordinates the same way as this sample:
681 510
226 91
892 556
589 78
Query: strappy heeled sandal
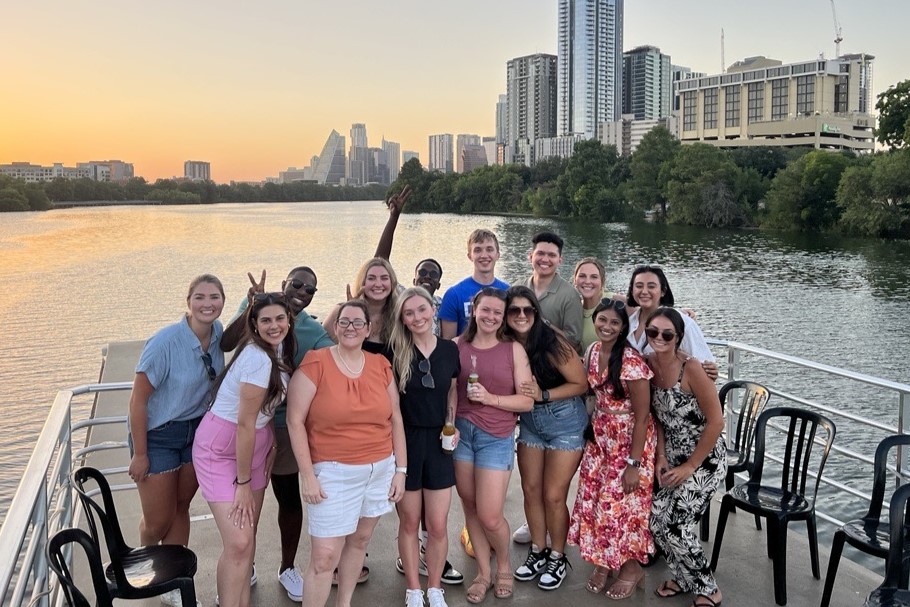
598 580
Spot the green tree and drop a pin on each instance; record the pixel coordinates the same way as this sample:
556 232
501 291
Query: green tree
37 199
766 160
11 199
875 197
894 115
59 190
647 186
588 186
802 196
697 174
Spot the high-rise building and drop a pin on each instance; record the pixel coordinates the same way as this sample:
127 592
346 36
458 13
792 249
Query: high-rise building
393 158
677 74
472 156
409 154
590 65
822 104
555 147
646 83
492 149
502 119
461 141
441 158
358 135
531 98
329 170
197 170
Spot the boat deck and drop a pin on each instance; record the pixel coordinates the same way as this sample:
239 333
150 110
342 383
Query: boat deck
744 573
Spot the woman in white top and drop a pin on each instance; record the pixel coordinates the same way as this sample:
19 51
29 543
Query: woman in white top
648 290
235 443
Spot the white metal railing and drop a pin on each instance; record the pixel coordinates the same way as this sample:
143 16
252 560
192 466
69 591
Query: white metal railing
43 503
734 352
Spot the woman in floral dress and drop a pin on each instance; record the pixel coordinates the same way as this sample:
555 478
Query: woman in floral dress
612 508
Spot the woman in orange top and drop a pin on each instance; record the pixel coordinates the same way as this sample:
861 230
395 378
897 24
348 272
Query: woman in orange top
348 437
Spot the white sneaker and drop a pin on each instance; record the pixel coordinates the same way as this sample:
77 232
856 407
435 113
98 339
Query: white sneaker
254 578
413 597
522 535
436 597
293 583
172 598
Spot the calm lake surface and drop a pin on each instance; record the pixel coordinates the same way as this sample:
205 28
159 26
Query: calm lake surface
74 280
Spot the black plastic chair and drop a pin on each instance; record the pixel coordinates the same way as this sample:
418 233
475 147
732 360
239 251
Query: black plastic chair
868 534
788 501
134 573
57 561
893 592
739 447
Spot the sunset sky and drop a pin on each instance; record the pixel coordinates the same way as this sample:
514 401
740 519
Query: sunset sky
256 87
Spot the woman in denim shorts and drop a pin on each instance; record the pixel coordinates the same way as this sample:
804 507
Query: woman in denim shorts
550 440
170 394
492 369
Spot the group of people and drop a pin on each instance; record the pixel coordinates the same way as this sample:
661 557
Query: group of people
400 395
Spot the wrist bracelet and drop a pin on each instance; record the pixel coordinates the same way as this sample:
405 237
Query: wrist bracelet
402 469
246 482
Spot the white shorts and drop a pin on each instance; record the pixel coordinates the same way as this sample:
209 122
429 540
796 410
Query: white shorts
352 492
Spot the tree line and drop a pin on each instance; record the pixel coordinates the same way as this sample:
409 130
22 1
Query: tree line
17 195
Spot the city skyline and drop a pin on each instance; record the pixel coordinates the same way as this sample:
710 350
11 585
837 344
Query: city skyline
254 90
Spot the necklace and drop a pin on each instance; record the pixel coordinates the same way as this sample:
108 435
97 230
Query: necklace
363 361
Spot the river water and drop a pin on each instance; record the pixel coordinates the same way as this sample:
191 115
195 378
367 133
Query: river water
74 280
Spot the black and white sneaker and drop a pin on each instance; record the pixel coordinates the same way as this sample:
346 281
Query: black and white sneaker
450 575
556 571
533 565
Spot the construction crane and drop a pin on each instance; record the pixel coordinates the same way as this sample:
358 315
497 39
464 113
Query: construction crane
838 37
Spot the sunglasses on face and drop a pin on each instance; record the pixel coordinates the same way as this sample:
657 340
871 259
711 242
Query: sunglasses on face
432 274
357 323
207 361
667 335
308 289
427 380
516 311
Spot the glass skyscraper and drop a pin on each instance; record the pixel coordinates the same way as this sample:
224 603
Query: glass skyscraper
590 64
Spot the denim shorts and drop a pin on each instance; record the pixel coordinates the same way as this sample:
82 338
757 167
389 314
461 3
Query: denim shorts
478 447
353 491
555 425
170 445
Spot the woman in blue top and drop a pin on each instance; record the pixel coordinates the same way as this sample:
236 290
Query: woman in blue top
170 394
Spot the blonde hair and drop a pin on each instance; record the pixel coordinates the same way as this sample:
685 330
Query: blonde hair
402 340
388 308
479 235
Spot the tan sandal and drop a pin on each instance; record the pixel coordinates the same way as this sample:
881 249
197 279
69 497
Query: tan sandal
502 589
478 589
598 580
623 589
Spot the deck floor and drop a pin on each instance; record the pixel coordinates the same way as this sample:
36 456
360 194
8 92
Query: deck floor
744 572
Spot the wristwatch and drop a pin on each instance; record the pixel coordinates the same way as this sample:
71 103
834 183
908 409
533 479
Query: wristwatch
544 396
633 462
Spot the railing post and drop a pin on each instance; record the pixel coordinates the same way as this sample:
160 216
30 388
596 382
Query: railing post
903 455
733 356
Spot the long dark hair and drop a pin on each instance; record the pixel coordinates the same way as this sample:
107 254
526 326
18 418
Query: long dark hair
545 347
275 392
666 295
471 332
614 366
675 318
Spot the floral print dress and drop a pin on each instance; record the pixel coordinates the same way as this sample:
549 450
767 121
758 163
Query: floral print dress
609 526
677 510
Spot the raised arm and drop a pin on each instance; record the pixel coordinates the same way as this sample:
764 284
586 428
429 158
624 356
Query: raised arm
396 204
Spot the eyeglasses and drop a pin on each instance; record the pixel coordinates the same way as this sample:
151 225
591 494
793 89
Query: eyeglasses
433 274
207 361
427 380
667 335
308 289
613 303
357 323
516 311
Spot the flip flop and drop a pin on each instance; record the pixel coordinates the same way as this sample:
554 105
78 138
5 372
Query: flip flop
665 591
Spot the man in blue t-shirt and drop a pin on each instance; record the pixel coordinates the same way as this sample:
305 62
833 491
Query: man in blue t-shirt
455 311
